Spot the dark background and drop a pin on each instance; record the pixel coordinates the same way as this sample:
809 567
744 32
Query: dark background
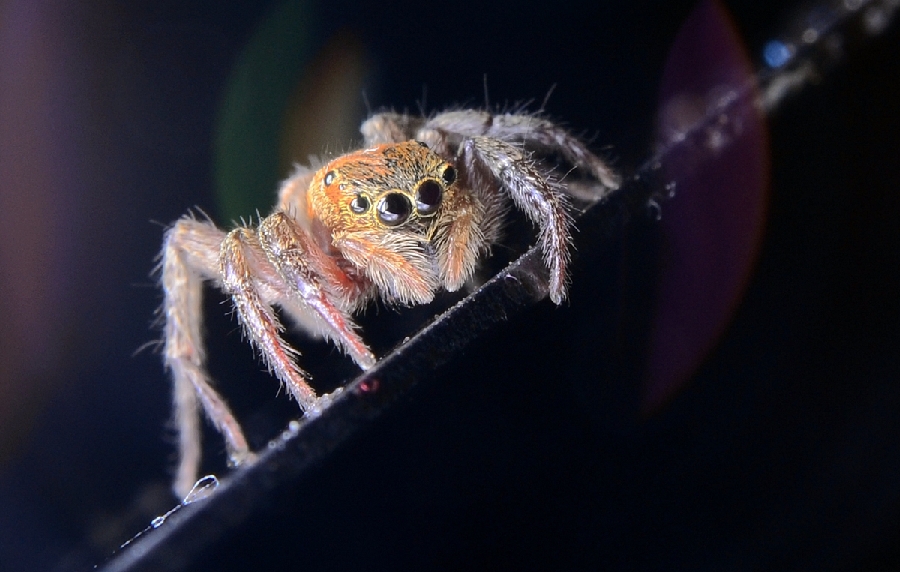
533 448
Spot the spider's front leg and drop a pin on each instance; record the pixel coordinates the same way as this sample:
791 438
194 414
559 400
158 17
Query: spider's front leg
244 268
489 161
315 279
281 264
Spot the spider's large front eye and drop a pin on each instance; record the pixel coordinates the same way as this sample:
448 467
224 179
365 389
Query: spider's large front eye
428 197
359 204
394 209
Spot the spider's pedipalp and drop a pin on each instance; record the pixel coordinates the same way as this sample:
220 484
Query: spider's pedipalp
396 263
461 237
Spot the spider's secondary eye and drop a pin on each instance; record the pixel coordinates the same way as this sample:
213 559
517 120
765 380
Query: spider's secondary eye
359 204
329 177
422 144
449 175
394 209
428 197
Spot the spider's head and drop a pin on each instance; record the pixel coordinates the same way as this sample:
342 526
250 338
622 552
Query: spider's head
390 187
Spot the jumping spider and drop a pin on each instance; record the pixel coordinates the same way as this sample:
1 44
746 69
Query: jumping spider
410 213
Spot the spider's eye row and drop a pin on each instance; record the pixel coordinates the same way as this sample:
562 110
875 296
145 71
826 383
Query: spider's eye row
394 209
428 197
329 177
449 175
359 204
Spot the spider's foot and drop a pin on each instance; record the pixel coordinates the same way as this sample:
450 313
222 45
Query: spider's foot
322 403
367 361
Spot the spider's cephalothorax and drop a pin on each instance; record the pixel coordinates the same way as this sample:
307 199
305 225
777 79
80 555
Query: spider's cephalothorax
406 216
399 218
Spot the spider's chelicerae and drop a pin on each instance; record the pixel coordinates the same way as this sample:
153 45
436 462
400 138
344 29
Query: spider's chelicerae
410 213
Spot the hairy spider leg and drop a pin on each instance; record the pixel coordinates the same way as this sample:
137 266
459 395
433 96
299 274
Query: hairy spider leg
242 261
538 197
280 266
315 278
530 130
188 258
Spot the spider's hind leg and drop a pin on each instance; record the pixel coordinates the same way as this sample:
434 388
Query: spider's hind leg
535 132
390 127
539 133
